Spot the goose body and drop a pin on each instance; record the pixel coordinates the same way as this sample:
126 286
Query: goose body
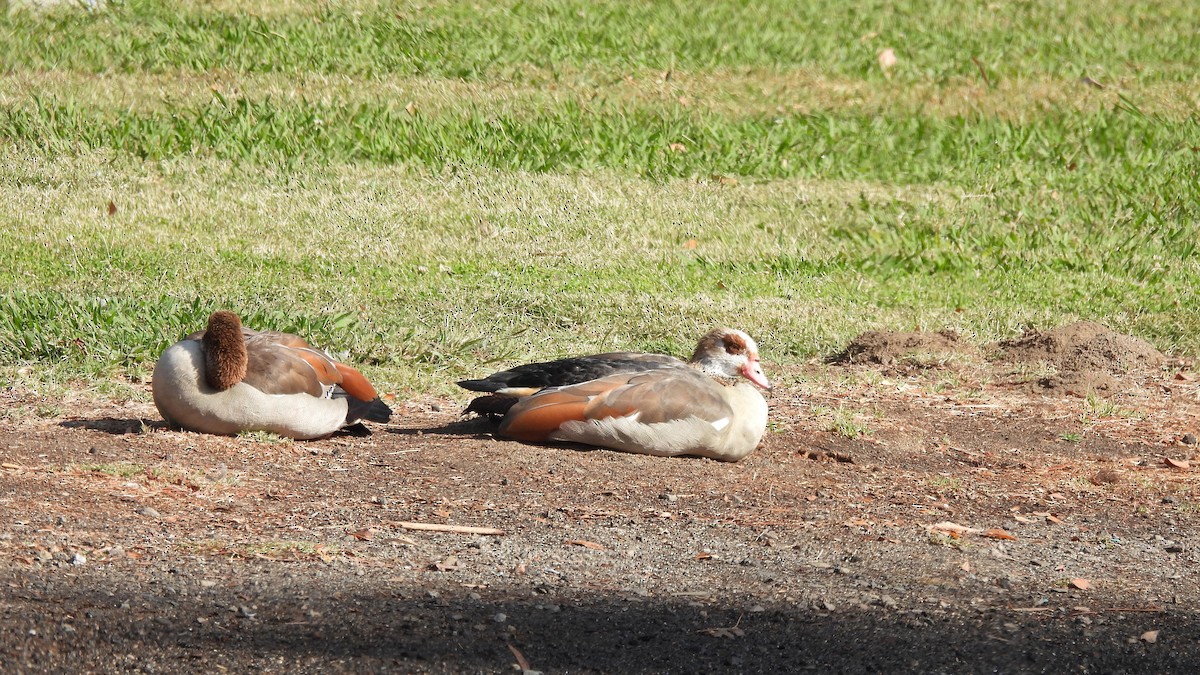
707 406
229 379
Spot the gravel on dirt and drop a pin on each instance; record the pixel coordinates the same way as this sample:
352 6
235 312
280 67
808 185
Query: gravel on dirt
970 525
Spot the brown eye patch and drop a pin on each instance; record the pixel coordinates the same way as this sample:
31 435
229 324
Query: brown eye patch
734 344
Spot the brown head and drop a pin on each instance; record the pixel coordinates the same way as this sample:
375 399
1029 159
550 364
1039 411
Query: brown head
728 352
225 357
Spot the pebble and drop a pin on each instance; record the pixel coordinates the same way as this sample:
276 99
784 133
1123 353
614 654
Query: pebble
78 559
1189 438
149 512
500 617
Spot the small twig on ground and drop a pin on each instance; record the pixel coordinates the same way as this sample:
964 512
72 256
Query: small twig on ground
521 660
983 73
457 529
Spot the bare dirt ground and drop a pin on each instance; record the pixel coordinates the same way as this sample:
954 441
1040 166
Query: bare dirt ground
922 506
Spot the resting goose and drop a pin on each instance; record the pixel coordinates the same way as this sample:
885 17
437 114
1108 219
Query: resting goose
643 403
229 379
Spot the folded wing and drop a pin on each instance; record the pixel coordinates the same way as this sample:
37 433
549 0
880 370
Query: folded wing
654 397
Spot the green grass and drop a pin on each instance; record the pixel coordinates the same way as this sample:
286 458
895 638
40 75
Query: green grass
935 38
430 189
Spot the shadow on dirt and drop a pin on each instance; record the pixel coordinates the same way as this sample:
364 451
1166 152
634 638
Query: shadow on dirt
476 427
115 425
408 629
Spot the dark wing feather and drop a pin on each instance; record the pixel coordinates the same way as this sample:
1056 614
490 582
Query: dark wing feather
564 372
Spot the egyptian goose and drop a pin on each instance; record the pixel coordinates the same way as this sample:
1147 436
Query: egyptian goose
228 379
643 403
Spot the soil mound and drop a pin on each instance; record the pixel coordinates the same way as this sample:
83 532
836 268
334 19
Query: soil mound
1081 346
886 347
1078 383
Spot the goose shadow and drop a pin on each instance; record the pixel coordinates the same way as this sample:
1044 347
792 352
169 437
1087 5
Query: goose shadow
476 427
117 426
480 428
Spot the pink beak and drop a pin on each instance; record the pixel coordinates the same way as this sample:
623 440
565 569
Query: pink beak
753 372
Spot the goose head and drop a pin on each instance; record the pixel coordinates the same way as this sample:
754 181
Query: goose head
730 353
225 356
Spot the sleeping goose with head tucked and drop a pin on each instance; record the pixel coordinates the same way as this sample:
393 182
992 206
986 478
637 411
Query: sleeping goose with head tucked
229 379
650 404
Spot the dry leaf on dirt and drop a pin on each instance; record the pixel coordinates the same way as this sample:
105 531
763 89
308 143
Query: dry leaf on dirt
998 533
521 660
703 555
1149 637
1181 464
1081 583
952 529
362 535
448 564
586 544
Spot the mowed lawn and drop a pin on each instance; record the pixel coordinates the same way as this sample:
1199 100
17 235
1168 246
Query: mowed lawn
434 188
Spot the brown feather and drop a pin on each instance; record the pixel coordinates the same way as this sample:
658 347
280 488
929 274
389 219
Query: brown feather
225 356
535 423
323 367
275 369
655 396
666 395
355 383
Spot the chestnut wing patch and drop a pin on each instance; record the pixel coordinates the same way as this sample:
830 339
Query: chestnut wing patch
651 397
